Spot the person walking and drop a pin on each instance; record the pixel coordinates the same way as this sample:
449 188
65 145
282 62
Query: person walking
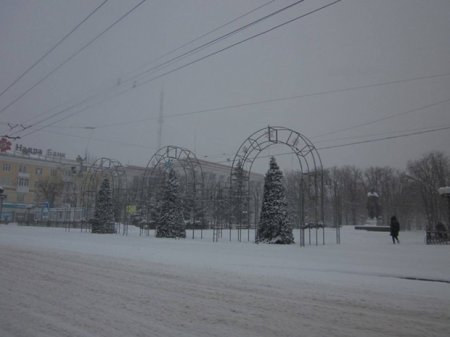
395 228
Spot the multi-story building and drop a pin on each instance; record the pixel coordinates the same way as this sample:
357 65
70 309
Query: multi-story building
21 175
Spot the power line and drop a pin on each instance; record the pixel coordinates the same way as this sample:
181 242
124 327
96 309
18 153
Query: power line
402 135
319 93
204 34
280 99
222 108
73 55
52 48
191 51
211 54
57 121
239 43
384 138
365 136
406 134
385 118
220 38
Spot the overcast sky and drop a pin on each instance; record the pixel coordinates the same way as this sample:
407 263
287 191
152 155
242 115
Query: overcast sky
357 70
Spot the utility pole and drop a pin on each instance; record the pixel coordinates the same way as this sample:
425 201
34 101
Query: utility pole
445 192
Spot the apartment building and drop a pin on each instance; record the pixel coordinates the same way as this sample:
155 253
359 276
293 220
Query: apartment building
20 175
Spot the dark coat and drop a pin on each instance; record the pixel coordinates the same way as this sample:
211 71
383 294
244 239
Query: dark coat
395 226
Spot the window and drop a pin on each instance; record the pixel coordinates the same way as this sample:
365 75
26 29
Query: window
20 197
22 169
6 167
22 182
53 172
23 185
38 171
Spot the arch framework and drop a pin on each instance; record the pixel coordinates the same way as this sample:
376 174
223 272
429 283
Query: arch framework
190 175
311 206
114 171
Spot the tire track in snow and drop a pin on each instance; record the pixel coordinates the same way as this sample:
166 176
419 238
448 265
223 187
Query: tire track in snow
60 294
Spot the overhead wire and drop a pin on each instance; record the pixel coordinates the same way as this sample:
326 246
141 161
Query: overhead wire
278 99
370 135
218 39
178 57
367 123
384 118
205 34
234 106
238 43
384 138
393 115
72 56
407 134
214 53
313 94
34 64
402 134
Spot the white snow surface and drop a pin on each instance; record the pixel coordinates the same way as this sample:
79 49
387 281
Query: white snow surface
70 283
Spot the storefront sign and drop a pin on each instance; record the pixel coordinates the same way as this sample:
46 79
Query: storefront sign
33 151
54 154
28 150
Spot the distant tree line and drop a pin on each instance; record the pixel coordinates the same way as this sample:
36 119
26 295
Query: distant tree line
410 194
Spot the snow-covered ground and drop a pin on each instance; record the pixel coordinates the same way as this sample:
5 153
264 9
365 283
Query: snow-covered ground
59 283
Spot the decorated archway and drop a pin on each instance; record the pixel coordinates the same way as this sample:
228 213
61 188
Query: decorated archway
112 170
190 174
311 209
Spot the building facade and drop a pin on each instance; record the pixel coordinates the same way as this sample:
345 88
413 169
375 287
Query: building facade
37 182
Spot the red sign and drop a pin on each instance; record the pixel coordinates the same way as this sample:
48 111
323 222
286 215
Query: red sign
5 145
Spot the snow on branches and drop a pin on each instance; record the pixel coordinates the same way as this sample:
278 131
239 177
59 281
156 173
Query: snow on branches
274 226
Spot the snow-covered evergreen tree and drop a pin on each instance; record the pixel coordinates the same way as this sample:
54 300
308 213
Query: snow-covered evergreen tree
103 221
170 223
274 226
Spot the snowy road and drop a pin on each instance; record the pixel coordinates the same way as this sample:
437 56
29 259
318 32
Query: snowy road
60 292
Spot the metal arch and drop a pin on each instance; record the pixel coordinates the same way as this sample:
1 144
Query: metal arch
161 161
309 161
104 168
181 155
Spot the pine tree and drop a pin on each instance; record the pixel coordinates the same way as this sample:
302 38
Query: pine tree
103 221
170 223
274 226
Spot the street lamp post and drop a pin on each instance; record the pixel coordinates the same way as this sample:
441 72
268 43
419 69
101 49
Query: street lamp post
2 197
445 192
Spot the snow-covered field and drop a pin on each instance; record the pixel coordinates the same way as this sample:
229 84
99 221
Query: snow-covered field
58 283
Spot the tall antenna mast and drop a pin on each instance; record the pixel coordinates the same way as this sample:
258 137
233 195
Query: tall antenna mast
161 118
